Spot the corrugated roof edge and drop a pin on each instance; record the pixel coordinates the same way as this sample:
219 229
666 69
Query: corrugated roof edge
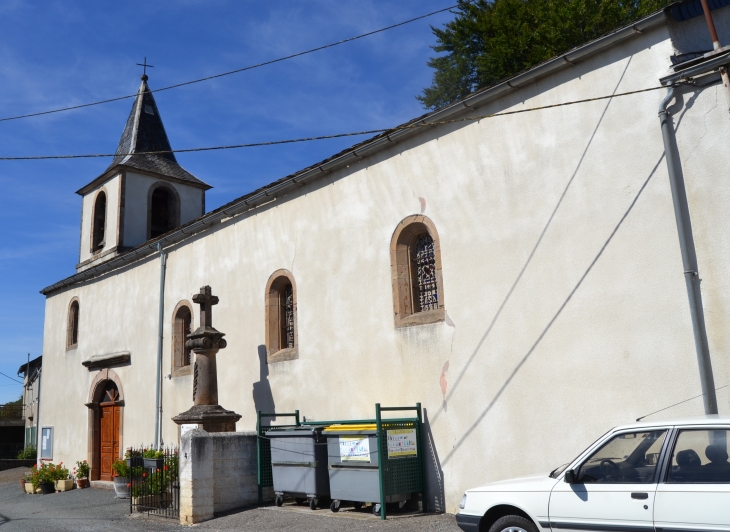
362 149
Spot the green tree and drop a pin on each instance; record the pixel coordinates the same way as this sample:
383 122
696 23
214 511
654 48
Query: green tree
492 40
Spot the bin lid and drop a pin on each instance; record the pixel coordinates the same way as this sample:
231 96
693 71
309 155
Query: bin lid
302 430
361 428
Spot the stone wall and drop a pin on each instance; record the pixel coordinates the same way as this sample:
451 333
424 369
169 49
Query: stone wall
12 464
217 473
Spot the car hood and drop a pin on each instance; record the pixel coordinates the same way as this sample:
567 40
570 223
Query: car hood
533 483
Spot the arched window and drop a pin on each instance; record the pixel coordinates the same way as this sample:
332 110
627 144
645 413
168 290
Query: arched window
181 328
98 223
281 317
418 295
163 210
72 326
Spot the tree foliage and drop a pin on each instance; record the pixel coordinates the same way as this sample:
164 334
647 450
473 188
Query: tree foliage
492 40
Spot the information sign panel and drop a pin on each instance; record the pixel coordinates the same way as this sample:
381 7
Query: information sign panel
402 443
354 449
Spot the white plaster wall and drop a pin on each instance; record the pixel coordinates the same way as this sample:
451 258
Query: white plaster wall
112 189
135 206
563 285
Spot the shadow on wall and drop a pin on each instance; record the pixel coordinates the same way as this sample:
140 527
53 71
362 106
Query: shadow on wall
263 399
436 501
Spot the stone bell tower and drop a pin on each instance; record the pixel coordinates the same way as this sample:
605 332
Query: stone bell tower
205 342
143 194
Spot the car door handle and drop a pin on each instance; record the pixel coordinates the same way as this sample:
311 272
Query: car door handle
640 496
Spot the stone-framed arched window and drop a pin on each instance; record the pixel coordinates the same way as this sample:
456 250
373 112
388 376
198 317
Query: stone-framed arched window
98 223
281 317
72 325
182 326
418 287
163 209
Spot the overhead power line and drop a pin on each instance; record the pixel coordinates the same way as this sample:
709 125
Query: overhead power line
250 67
12 379
337 135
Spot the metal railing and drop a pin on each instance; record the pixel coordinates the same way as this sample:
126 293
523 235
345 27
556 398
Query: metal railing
154 483
8 412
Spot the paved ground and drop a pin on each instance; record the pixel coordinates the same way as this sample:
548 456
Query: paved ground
96 509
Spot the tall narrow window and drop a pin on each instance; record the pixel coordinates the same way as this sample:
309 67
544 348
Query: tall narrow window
182 327
99 223
424 259
163 211
281 317
416 273
286 308
72 327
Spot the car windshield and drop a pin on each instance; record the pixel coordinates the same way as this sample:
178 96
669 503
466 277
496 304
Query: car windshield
626 458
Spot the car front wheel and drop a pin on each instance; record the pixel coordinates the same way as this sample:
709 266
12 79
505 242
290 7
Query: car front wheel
513 523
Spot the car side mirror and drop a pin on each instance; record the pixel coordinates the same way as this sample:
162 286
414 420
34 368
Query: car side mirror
571 477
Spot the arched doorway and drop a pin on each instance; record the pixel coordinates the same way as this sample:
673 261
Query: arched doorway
106 408
110 416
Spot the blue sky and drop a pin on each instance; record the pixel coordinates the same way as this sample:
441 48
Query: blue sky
59 53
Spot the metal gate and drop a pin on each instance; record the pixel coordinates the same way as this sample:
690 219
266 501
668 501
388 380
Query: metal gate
154 482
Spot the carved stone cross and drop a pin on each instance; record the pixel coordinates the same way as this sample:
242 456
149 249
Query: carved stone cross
205 342
206 300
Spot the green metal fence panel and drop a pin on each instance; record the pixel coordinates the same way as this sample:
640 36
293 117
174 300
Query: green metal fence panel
263 450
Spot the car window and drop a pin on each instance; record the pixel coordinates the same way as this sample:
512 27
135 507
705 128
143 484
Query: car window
700 456
630 457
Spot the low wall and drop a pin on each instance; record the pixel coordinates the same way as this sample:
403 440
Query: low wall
10 464
217 473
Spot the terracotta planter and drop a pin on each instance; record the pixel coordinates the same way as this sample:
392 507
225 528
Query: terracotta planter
64 485
121 487
48 487
29 488
82 483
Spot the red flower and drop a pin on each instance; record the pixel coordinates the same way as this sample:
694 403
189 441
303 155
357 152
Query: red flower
165 468
128 485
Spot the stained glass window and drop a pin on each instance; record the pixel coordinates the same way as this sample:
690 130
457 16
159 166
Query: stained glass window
425 260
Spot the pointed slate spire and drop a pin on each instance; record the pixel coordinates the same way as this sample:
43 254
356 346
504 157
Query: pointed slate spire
144 132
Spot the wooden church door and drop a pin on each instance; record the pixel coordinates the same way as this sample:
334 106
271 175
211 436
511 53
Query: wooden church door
109 420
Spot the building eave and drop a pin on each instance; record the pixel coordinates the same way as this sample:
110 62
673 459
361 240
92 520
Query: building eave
117 169
361 150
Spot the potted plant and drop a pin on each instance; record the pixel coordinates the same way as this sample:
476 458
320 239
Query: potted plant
47 478
27 481
134 458
63 481
81 472
121 478
153 459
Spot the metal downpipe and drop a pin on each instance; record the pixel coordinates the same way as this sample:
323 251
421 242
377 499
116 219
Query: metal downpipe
689 257
160 323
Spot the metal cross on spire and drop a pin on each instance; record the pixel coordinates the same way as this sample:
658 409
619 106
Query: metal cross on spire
145 65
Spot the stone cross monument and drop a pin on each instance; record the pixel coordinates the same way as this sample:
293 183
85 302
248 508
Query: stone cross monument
205 342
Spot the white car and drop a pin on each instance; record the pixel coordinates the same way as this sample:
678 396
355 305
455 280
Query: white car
669 476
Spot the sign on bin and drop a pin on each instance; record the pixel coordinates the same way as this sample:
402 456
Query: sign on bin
354 449
401 443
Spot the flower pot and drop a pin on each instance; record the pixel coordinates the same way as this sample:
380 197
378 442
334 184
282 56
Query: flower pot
154 463
48 487
29 488
121 487
135 461
64 485
82 483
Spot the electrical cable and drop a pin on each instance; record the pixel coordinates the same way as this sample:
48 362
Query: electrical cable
236 71
337 135
12 379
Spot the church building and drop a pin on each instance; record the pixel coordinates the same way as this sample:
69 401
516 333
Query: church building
518 275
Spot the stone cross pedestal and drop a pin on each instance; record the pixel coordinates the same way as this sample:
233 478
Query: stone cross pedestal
205 342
